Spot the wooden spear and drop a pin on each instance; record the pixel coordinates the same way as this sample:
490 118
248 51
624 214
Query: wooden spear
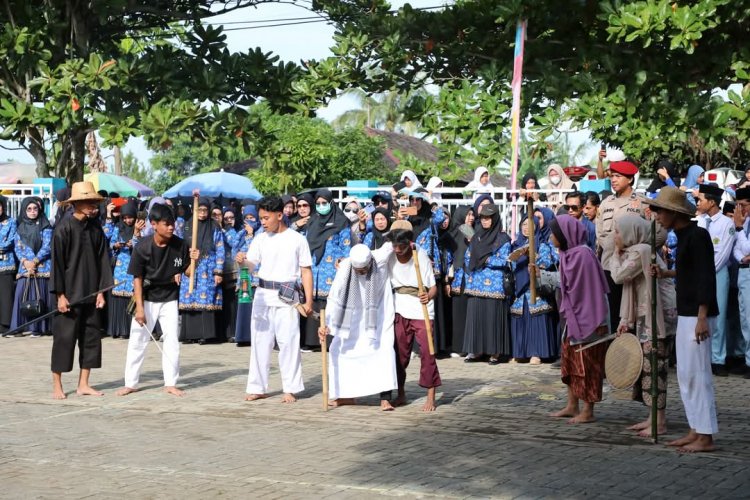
194 245
654 342
425 312
324 354
532 248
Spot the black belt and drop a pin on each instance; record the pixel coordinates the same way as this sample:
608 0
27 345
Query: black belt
744 266
275 285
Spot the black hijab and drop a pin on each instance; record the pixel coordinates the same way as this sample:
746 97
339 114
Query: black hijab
378 237
458 243
322 227
485 242
4 204
30 230
205 242
657 183
126 231
526 178
308 197
423 219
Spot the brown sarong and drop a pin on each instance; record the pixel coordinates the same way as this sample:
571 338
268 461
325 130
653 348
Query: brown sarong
583 371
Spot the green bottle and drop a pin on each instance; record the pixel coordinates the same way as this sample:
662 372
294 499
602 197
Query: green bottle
246 291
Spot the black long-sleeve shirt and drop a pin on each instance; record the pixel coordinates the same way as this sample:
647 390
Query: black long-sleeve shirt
80 261
696 276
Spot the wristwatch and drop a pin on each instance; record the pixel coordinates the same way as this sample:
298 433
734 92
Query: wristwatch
739 228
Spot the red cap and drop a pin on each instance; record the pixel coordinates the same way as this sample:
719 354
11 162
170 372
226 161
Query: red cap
623 168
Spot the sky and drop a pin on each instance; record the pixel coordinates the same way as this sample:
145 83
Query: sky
291 43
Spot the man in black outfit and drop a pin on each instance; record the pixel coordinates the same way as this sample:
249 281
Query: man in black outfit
80 267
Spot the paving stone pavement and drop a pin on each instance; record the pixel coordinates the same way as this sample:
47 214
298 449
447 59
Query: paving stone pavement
490 437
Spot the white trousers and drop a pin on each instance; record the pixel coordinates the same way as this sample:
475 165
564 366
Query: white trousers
167 314
694 376
280 324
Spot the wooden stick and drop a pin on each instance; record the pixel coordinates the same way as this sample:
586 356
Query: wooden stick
654 342
194 246
425 312
532 249
324 354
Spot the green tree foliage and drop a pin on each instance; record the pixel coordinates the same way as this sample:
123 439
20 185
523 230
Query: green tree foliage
641 75
389 111
128 68
299 152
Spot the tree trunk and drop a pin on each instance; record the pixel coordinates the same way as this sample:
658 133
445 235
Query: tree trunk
77 156
118 160
38 152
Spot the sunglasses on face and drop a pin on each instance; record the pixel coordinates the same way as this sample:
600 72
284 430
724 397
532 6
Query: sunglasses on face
303 205
350 210
574 208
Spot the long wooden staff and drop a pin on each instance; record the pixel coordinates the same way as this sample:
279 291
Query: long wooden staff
324 354
425 312
194 246
532 248
654 342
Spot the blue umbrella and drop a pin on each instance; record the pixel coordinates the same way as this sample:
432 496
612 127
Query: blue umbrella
215 184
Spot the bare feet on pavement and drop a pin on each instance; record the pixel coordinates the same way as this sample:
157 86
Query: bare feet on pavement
582 418
288 398
255 397
660 430
703 444
174 391
399 401
565 412
87 390
125 391
640 425
429 405
692 436
342 402
58 393
386 405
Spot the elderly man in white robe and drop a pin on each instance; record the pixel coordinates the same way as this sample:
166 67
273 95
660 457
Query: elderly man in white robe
360 315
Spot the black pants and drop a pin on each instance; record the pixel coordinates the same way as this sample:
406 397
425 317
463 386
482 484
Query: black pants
614 298
82 325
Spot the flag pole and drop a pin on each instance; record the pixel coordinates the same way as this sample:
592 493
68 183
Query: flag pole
515 114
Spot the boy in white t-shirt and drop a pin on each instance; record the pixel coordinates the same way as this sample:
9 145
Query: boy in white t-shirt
284 258
410 322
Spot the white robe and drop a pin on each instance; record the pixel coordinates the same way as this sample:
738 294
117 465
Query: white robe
360 365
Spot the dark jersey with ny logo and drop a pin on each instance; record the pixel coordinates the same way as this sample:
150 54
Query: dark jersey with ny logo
158 267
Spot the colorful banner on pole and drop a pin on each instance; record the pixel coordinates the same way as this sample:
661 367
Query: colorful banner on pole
516 109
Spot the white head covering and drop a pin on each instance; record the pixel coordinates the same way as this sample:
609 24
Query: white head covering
615 155
432 184
360 256
412 177
478 173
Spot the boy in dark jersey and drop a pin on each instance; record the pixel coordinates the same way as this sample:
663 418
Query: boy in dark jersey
157 264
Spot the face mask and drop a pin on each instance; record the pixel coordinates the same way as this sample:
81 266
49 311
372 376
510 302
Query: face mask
352 216
323 209
555 179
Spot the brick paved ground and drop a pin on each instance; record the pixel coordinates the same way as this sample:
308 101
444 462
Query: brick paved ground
489 438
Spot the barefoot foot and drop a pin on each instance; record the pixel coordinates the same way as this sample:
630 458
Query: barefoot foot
399 401
342 402
565 412
288 398
582 418
703 444
125 391
646 433
692 436
429 405
640 425
87 390
58 393
174 391
255 397
386 405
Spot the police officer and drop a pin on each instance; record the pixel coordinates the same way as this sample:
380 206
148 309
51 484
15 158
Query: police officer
721 229
623 201
742 255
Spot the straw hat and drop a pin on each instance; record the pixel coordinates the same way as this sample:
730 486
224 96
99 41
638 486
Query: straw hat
624 361
83 191
401 224
671 198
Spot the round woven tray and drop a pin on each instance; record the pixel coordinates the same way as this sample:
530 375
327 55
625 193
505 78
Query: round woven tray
624 361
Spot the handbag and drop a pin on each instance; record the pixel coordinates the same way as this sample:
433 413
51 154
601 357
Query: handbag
509 282
32 308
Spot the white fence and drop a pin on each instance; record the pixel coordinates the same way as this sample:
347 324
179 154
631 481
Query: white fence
15 193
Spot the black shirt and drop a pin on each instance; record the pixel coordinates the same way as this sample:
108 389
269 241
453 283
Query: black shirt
696 275
80 259
158 267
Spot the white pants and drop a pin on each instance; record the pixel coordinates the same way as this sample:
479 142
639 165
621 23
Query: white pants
694 376
281 324
167 314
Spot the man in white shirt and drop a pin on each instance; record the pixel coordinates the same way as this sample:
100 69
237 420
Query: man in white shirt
410 321
284 259
721 229
742 255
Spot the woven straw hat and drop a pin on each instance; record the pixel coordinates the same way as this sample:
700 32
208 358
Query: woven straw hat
624 361
672 198
83 191
401 224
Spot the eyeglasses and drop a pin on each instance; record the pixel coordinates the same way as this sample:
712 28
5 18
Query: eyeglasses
303 205
350 210
574 208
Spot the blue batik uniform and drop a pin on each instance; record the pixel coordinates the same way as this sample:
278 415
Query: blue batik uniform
179 227
206 295
25 252
123 280
7 240
427 240
337 247
487 281
546 258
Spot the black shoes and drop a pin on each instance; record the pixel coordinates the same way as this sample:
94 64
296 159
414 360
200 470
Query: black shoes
719 370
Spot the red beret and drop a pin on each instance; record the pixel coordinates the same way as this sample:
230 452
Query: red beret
623 168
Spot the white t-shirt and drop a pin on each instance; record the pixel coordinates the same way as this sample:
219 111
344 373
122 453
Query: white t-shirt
280 257
409 306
